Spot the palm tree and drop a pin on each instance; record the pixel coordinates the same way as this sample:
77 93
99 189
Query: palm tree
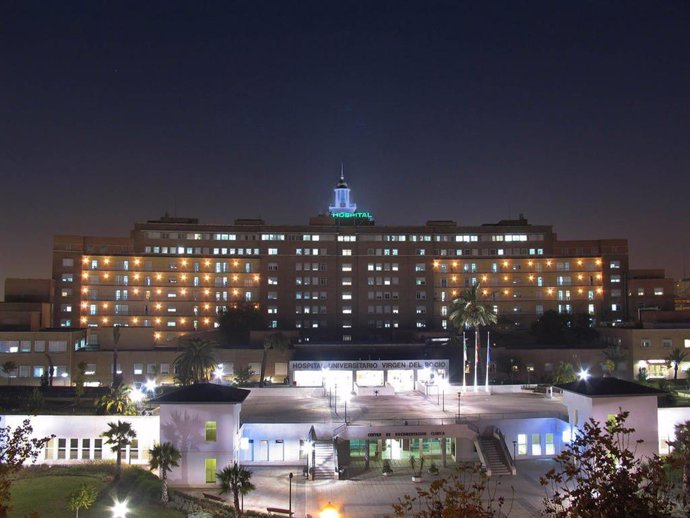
196 363
613 355
236 480
117 401
164 457
469 312
8 368
119 435
674 359
275 341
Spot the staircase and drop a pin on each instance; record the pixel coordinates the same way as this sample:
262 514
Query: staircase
493 456
324 460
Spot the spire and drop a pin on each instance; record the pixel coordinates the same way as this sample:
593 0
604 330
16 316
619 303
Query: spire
341 201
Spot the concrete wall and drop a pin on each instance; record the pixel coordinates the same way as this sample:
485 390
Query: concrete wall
87 427
668 419
184 425
643 416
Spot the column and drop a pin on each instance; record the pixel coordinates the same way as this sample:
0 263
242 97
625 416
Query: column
442 440
366 454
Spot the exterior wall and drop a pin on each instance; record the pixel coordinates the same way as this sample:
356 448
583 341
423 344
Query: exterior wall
513 364
24 316
29 290
668 419
32 352
81 428
643 416
329 280
648 349
274 443
139 358
530 428
184 426
521 289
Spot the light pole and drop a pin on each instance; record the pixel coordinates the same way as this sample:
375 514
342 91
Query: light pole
335 398
290 496
514 450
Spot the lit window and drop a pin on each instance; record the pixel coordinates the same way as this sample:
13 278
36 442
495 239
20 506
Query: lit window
210 430
536 444
522 444
210 466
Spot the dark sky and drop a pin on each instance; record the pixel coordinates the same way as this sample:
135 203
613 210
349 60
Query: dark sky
575 113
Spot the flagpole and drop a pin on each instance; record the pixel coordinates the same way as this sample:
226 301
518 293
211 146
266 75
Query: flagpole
476 355
488 358
464 361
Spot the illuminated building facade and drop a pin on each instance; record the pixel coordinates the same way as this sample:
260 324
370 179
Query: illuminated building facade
340 277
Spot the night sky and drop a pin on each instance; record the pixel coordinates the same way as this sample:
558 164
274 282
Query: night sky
575 113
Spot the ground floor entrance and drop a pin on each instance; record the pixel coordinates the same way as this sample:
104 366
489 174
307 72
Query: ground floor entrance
393 376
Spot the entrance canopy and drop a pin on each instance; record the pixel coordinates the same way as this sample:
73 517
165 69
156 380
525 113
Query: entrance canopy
399 374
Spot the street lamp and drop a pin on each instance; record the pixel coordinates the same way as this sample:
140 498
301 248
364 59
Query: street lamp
514 450
120 509
346 399
290 496
335 398
583 375
329 512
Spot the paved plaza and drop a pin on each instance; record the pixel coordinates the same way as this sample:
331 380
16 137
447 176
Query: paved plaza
367 493
311 405
370 494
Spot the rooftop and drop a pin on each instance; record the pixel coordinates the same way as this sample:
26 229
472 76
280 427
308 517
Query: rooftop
204 393
602 387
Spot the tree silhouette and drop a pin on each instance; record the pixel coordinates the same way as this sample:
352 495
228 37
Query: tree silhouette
164 457
468 311
197 361
674 359
119 435
275 341
236 480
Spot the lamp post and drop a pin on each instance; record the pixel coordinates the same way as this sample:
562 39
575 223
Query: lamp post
335 398
514 450
290 495
329 512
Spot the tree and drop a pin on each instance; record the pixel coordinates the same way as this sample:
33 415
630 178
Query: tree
680 455
468 495
238 321
555 328
275 341
599 475
8 368
82 498
116 402
164 457
243 375
119 435
236 480
564 373
16 447
469 312
35 401
79 382
613 356
197 362
674 359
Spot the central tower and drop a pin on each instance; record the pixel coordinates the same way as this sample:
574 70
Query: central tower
341 200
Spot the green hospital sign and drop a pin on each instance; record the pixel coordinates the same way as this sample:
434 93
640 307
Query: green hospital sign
353 215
